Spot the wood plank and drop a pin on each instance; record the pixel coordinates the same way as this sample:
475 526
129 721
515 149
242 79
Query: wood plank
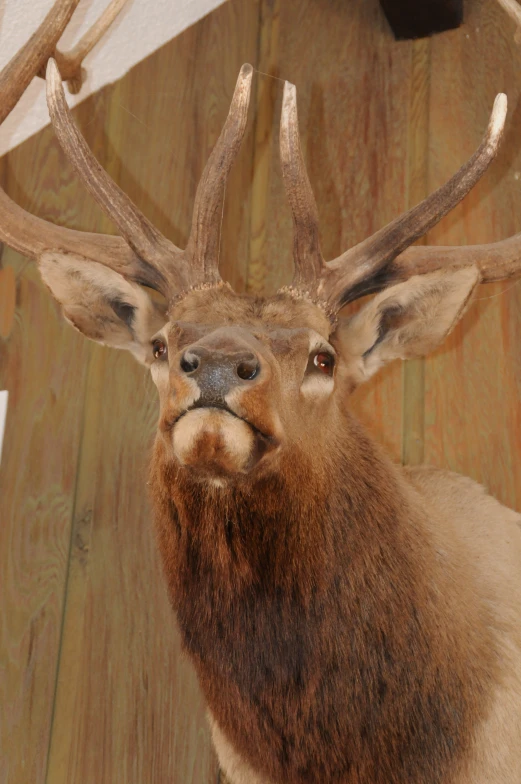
43 365
413 426
413 19
353 92
128 707
473 383
7 299
265 120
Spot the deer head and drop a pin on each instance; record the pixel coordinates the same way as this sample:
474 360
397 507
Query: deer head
275 513
243 380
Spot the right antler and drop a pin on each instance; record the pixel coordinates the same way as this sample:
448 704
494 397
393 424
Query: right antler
386 258
514 11
142 253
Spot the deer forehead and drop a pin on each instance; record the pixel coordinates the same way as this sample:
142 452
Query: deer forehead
220 306
281 342
281 325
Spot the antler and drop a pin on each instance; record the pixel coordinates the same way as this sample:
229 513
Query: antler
145 240
385 257
177 269
69 63
20 71
202 250
514 11
142 253
19 229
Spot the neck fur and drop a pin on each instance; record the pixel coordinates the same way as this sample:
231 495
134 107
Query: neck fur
311 605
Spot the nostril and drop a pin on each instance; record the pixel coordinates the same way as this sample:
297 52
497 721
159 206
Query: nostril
189 363
248 369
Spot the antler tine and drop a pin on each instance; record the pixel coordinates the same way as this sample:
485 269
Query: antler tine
69 63
25 232
202 250
34 237
495 260
368 265
514 11
309 264
19 72
144 239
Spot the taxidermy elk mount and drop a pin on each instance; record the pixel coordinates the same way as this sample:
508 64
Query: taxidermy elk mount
350 621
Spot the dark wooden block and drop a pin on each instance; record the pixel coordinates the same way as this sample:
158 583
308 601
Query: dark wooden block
420 18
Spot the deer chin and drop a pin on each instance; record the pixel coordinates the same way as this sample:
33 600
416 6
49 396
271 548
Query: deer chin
215 443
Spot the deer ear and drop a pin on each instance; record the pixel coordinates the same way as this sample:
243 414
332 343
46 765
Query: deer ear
102 304
405 321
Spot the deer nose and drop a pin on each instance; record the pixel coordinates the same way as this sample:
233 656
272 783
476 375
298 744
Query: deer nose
217 372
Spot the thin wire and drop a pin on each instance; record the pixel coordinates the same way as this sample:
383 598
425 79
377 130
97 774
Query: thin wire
499 293
270 76
135 117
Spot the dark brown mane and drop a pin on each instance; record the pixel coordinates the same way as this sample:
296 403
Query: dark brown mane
305 603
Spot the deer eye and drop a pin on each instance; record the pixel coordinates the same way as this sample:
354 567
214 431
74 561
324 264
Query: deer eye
324 362
159 349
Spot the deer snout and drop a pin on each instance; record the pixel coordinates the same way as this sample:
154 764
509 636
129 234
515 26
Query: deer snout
217 373
219 390
206 438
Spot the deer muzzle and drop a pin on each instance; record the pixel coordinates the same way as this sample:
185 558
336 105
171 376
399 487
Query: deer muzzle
217 431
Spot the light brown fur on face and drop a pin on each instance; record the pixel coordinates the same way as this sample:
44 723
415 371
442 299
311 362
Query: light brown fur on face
213 441
262 418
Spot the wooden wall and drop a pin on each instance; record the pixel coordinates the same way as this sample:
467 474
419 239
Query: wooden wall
93 687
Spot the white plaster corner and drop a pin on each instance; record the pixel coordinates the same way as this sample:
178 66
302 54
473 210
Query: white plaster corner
142 27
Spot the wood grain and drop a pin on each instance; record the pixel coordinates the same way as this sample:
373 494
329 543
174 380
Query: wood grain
413 425
472 384
265 124
7 300
43 366
128 706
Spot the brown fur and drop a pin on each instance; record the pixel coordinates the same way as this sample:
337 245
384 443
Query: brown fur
350 623
307 605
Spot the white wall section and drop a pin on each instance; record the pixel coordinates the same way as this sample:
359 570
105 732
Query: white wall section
141 28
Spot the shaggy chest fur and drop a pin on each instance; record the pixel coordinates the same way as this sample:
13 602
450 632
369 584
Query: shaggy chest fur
314 624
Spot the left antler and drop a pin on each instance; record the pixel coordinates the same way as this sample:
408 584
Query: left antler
385 257
142 254
179 270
